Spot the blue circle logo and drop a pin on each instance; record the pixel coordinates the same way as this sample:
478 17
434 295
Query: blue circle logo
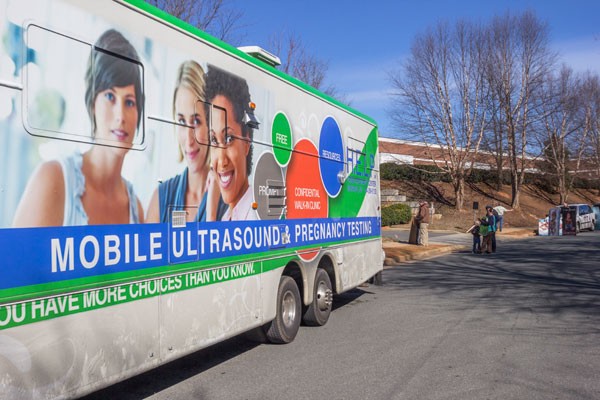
331 156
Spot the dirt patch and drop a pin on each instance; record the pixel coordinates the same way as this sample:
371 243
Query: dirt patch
397 253
534 203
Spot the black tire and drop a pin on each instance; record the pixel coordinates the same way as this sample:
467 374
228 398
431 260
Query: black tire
317 313
284 327
376 279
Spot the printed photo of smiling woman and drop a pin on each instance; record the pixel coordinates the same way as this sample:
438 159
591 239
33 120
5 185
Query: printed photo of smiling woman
231 142
88 188
189 189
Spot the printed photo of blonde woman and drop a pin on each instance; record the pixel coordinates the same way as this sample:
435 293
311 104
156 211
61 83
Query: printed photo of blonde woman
189 190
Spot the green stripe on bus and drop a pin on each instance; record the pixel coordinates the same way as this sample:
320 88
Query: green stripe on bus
53 307
43 309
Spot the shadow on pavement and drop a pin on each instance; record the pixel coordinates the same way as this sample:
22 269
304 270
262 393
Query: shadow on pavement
177 371
346 298
541 276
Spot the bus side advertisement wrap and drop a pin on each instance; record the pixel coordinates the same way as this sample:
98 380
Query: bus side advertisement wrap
162 191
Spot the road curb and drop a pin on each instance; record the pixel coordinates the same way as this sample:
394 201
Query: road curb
395 256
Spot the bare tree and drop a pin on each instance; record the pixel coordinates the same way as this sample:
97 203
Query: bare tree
594 153
219 19
562 130
299 62
215 17
494 141
590 157
519 59
439 94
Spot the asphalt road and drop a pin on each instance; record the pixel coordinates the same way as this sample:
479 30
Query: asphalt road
523 323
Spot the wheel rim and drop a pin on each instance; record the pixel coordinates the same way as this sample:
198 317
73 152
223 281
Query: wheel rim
324 296
288 309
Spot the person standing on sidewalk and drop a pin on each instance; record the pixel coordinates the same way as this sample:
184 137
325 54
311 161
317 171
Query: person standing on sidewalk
486 244
500 210
490 222
474 230
423 218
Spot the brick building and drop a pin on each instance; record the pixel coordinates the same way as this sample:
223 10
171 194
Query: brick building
418 153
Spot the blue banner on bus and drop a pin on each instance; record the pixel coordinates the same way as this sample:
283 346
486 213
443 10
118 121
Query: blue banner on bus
54 254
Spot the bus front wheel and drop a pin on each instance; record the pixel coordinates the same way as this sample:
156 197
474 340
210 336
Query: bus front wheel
284 327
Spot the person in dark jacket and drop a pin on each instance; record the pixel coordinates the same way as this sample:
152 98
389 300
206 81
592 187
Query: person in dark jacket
474 230
491 223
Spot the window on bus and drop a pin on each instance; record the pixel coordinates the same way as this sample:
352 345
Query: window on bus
185 139
202 136
234 158
56 80
231 143
195 119
222 135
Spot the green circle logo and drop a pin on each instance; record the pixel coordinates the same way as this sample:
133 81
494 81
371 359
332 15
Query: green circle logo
281 139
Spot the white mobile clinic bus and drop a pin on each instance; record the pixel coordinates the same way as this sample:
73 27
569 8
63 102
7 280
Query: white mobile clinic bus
162 191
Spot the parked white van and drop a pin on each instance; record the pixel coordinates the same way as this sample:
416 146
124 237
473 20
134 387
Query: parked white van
586 219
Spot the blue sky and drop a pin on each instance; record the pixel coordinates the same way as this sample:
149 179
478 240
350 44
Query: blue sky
362 44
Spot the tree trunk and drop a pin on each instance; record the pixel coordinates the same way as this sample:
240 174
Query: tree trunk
499 173
562 188
515 190
515 196
459 192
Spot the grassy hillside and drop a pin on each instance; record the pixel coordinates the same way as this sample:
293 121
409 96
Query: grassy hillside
535 203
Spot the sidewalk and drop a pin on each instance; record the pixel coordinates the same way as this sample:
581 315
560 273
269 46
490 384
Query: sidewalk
397 253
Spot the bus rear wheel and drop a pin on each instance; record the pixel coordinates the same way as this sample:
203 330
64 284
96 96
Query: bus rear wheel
284 327
317 313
